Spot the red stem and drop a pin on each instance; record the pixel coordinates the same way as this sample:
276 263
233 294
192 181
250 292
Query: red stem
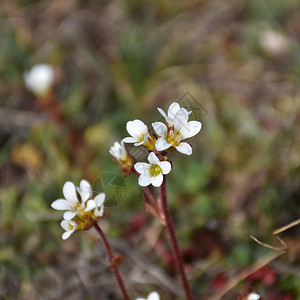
111 256
173 240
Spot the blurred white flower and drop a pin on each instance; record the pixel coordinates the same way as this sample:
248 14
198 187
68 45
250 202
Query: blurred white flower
151 296
172 135
39 79
253 296
172 111
138 131
152 173
274 43
69 226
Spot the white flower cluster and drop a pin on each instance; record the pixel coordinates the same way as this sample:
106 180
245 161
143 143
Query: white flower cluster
167 137
79 214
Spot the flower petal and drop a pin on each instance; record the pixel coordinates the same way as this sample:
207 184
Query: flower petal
165 167
161 144
91 204
128 140
173 109
69 192
181 119
159 128
84 184
61 204
153 159
66 235
144 180
157 180
68 215
138 144
99 199
153 296
136 128
142 168
162 112
184 148
192 128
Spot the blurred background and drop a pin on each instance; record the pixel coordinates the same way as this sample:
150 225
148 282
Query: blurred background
236 64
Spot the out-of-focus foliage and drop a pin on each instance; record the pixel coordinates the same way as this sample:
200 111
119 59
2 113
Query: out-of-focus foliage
236 64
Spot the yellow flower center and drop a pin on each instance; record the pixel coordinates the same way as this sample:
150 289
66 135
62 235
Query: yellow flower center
155 170
173 137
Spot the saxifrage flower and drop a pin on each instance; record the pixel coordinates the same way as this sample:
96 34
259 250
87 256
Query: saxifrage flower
178 128
152 173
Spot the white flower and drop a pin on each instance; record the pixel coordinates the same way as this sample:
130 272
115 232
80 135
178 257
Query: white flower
151 296
69 226
96 205
39 79
274 43
152 173
118 151
70 203
172 136
138 131
173 109
253 296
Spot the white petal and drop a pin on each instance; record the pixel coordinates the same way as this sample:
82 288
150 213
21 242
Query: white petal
159 128
165 167
153 296
140 299
184 148
181 119
128 140
61 204
91 204
161 144
66 235
153 159
69 192
142 168
144 180
139 143
173 109
86 195
84 184
99 213
68 215
157 180
136 128
192 128
162 112
99 199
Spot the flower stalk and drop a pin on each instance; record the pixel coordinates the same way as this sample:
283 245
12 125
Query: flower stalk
114 260
173 240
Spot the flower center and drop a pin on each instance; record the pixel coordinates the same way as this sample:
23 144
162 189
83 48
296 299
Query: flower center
155 170
173 137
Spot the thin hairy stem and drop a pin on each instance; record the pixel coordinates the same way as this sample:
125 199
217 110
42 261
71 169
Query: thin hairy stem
173 240
111 259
